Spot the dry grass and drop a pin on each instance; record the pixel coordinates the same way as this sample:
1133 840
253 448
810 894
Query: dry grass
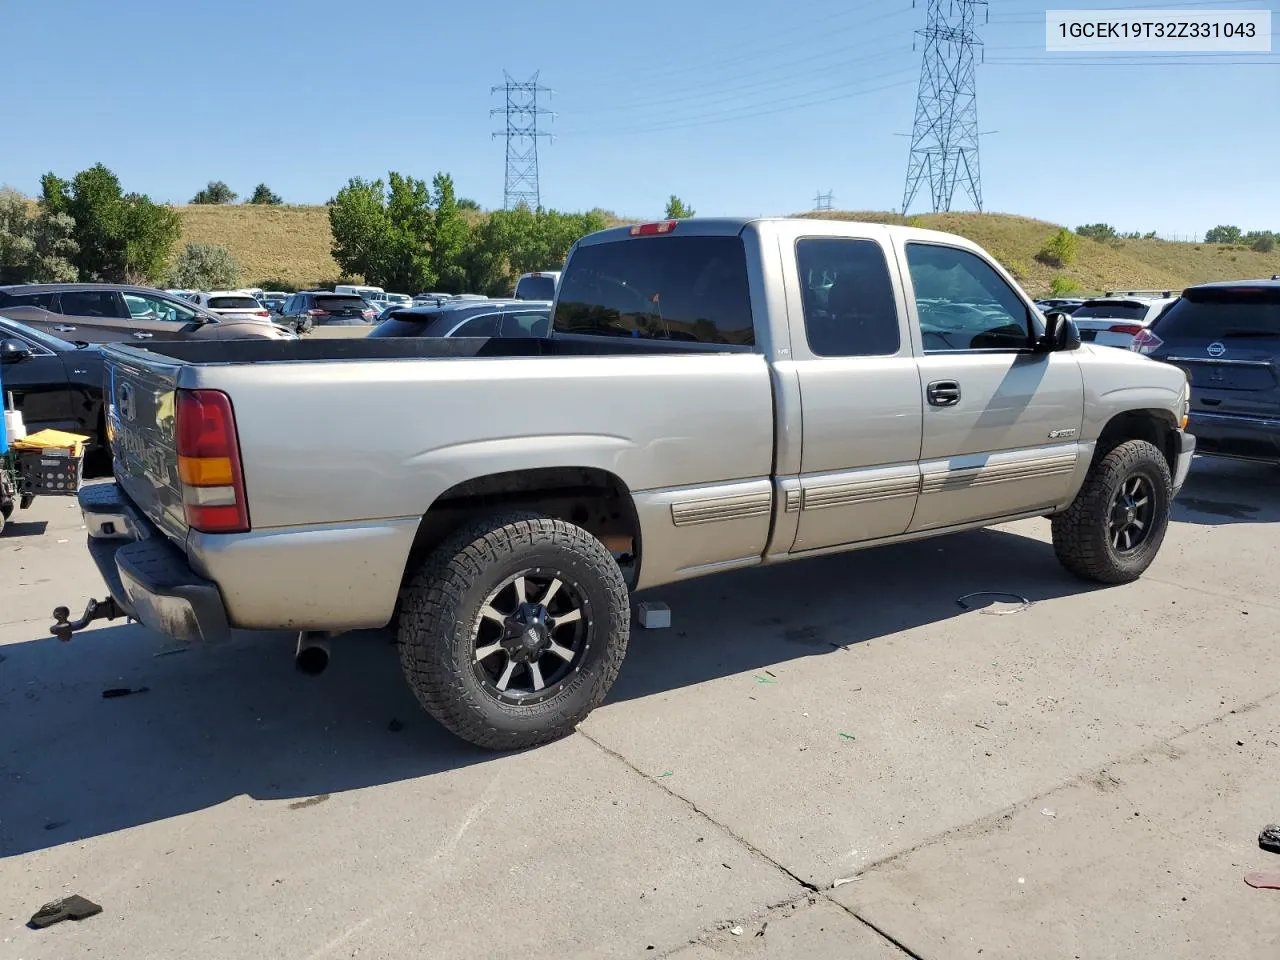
286 243
292 243
1129 264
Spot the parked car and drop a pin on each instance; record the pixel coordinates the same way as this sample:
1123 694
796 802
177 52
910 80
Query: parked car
699 408
319 308
184 294
233 305
496 318
1226 336
275 304
107 312
55 384
430 297
537 286
368 293
1067 305
397 299
1113 321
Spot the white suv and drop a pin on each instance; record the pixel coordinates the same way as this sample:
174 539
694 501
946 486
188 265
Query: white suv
1113 320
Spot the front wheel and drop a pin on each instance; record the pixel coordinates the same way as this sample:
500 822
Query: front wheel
514 630
1113 529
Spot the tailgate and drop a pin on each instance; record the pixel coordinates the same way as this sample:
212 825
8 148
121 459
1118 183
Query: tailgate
141 397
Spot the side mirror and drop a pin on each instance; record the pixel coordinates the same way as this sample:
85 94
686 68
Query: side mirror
13 351
1060 333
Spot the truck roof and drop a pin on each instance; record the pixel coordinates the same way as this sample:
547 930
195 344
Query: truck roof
732 226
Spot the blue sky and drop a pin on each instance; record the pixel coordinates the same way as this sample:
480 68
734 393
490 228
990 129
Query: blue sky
739 106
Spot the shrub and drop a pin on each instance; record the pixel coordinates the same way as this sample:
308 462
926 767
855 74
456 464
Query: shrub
1102 232
1063 286
1060 250
205 266
215 192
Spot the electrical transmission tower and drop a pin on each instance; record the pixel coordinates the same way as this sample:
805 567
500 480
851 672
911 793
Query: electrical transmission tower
822 201
522 111
944 139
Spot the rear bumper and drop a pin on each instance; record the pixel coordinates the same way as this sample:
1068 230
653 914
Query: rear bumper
147 575
1231 435
1186 450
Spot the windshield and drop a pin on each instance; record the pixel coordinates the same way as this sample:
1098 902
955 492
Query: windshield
1112 310
341 302
1223 315
667 288
234 303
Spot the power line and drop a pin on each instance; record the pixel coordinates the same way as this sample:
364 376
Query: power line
944 137
522 111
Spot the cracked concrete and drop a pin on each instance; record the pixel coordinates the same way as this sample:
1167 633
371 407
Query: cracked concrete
832 719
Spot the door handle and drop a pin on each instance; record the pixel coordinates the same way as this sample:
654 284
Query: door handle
142 336
64 328
943 393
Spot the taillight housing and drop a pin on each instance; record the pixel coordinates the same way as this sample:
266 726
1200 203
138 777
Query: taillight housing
1131 328
317 312
262 313
213 497
1144 341
654 229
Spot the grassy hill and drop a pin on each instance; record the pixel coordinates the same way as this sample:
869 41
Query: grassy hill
292 243
1125 264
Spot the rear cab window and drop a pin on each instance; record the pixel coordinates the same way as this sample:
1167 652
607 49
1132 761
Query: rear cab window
536 288
690 288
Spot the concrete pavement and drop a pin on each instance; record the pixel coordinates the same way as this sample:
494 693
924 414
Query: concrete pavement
797 726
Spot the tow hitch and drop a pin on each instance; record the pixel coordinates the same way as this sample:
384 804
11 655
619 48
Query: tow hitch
63 627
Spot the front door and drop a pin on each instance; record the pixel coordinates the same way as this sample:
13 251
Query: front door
158 318
861 395
1001 423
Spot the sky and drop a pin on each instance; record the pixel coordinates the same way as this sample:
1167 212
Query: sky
741 107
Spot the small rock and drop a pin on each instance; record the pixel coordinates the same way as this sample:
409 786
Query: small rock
736 931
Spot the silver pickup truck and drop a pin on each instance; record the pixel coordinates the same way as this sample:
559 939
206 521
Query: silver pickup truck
716 394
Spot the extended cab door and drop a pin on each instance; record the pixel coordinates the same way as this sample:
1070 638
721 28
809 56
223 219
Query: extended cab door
1001 422
859 388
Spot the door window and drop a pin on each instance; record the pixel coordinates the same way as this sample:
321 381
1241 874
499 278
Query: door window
485 325
143 307
91 303
529 323
849 310
963 304
42 300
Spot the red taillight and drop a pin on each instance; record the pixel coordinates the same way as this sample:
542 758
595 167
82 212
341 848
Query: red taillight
1144 341
1132 328
209 463
262 313
317 312
653 229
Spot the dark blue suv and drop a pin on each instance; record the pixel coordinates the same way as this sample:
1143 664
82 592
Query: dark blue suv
1226 336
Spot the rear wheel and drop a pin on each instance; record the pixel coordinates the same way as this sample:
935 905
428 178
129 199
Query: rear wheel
1113 529
514 630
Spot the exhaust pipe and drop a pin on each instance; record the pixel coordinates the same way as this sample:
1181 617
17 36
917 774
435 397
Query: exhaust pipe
312 655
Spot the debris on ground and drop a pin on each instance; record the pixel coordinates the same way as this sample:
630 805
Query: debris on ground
74 907
1269 838
763 927
653 615
395 726
664 774
841 881
847 736
1007 604
1263 881
760 679
122 692
736 931
1049 813
56 824
170 651
309 802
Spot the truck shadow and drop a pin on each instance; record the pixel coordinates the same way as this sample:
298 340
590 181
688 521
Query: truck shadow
215 723
1220 491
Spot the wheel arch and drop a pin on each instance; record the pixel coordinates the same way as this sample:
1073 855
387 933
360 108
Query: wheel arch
1155 425
590 497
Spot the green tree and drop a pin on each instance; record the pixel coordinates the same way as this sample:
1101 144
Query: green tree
16 245
512 242
215 192
1060 250
205 266
1262 241
381 231
119 237
262 194
450 234
676 210
1223 234
466 203
1102 232
34 249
